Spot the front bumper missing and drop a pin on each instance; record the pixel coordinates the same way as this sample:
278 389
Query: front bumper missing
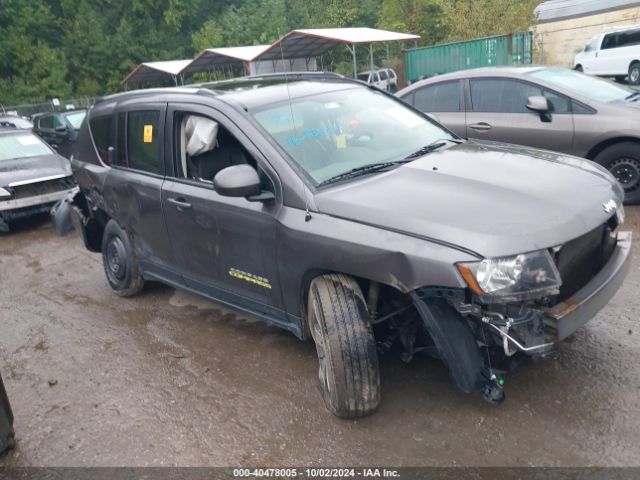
566 317
46 199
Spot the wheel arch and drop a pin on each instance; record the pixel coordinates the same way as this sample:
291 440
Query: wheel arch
597 149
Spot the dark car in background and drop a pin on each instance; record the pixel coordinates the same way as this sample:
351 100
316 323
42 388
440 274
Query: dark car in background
333 210
59 129
551 108
16 122
33 177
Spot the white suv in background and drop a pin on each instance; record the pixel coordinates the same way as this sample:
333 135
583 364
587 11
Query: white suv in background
384 78
612 54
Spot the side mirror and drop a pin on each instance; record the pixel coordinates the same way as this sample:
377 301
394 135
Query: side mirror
237 181
538 104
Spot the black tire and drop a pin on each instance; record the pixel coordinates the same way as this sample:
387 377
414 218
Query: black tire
634 73
348 361
120 265
623 161
578 68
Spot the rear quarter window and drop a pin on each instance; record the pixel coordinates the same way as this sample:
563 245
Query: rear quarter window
101 133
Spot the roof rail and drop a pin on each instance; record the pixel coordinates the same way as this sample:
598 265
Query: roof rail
613 28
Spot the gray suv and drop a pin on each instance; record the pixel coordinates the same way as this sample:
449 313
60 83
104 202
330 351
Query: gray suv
551 108
333 210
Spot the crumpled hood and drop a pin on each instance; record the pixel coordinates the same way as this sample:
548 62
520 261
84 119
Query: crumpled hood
33 167
494 199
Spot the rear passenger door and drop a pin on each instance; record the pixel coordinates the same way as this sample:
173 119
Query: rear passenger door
133 187
444 101
497 111
226 246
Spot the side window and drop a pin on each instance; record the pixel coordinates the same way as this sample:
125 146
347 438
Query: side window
580 109
204 147
558 103
630 38
58 122
383 75
443 97
409 98
501 95
46 122
610 41
143 141
101 133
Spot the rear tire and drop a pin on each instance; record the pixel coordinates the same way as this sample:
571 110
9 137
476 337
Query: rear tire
118 259
634 73
578 68
623 161
348 361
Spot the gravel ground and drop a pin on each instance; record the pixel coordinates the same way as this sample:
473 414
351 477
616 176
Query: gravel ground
166 378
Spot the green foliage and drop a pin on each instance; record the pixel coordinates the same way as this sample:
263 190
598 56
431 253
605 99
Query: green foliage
65 48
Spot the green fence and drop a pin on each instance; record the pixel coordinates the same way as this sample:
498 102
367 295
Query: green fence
512 49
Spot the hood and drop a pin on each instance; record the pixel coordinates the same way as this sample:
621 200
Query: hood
22 169
493 199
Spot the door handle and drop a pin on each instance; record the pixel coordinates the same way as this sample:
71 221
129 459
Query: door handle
180 203
481 127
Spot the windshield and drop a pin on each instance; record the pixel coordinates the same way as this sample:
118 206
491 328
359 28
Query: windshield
590 87
363 76
75 118
331 133
22 145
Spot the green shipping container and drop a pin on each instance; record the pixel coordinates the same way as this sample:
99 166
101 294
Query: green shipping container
512 49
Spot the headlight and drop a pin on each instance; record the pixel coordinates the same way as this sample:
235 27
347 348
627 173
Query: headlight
502 277
4 194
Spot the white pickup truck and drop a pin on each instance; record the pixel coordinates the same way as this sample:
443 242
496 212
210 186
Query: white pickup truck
612 54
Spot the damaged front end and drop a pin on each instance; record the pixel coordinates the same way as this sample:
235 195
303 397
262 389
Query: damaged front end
76 212
522 304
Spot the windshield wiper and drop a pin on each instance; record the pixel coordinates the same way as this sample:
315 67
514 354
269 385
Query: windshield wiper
356 172
633 95
431 147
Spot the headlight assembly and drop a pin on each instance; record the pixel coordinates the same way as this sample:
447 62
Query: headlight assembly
502 278
4 194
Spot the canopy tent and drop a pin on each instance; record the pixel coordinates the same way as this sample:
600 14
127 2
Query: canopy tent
216 59
308 43
154 71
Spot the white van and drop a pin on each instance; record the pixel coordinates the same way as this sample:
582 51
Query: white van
612 54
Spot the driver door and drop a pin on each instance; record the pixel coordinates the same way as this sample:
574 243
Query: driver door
225 246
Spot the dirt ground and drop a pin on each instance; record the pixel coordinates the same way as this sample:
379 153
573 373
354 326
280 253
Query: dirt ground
168 379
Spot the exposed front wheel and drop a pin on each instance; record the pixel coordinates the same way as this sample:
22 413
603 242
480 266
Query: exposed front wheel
623 161
578 68
120 265
347 357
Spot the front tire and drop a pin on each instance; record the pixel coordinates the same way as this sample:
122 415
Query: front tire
634 73
120 265
623 161
348 361
578 68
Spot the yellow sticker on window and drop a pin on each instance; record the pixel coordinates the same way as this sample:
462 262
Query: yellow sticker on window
147 136
341 141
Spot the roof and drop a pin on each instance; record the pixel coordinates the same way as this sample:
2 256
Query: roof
249 92
553 10
151 71
307 43
227 56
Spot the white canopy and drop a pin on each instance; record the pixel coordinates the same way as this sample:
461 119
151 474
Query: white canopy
313 42
228 57
152 71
